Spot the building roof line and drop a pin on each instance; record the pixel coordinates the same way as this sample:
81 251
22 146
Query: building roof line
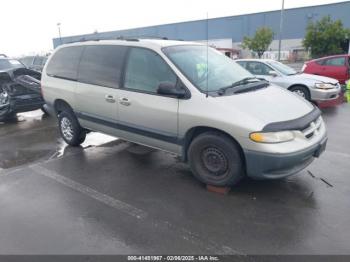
201 20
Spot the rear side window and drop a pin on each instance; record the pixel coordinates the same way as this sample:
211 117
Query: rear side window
257 68
64 63
145 70
102 65
339 61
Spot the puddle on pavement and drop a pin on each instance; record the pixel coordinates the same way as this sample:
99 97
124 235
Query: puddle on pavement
92 140
35 137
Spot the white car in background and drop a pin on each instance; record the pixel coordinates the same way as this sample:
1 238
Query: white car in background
312 87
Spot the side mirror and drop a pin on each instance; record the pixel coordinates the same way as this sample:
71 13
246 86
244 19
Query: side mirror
273 73
170 89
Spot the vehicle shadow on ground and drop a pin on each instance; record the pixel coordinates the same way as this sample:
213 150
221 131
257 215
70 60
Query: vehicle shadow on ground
296 189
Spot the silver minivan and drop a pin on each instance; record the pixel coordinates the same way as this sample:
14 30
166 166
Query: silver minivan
187 99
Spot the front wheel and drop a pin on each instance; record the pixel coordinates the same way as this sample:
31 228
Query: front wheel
215 159
301 91
70 129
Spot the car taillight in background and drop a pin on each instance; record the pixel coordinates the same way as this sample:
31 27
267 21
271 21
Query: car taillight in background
303 68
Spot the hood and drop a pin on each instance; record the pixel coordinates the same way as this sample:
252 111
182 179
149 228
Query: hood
20 81
267 105
314 78
15 72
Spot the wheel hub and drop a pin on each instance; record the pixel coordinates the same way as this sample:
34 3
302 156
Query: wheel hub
214 160
67 128
299 93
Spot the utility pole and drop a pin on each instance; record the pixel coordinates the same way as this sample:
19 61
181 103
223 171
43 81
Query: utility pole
59 32
281 30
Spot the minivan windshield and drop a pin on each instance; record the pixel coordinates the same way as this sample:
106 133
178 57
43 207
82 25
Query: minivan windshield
206 68
285 70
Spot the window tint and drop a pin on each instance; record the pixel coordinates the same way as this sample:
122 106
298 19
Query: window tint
339 61
64 63
146 70
102 65
257 68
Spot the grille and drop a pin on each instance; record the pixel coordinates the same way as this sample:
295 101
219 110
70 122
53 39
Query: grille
313 128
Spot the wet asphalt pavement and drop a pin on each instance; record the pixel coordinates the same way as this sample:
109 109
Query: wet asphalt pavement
113 197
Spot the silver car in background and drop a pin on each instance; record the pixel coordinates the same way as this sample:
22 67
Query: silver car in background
311 87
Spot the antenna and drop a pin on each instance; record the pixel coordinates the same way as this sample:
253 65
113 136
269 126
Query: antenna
207 67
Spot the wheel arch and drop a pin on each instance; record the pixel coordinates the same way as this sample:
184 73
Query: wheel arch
300 85
196 131
61 105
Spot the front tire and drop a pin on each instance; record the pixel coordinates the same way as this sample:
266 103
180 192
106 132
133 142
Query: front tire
301 91
215 159
71 131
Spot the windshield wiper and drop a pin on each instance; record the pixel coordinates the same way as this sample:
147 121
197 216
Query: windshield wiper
251 87
241 82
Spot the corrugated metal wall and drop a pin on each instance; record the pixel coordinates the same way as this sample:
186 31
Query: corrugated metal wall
234 27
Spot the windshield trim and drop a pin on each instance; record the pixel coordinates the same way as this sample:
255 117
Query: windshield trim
206 92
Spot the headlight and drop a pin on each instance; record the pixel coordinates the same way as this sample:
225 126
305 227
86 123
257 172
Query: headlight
324 86
3 97
272 137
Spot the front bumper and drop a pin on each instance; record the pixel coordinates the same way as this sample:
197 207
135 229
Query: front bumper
262 165
321 95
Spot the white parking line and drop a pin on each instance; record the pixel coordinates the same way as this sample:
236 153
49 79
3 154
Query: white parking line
207 244
110 201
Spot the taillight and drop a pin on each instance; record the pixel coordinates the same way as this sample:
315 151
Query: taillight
303 68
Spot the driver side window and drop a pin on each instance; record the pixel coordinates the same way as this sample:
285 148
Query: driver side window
145 70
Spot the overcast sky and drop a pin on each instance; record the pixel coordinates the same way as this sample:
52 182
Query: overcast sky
28 26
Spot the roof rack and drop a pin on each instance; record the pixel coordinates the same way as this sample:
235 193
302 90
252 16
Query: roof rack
131 39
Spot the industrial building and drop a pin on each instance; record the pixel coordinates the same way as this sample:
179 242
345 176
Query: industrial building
227 33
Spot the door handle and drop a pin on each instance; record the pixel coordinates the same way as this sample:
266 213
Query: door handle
110 99
124 101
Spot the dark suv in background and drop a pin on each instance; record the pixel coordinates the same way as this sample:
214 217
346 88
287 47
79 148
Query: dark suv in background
20 89
34 62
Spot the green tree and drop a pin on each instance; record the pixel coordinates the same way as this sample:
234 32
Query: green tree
325 37
260 42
